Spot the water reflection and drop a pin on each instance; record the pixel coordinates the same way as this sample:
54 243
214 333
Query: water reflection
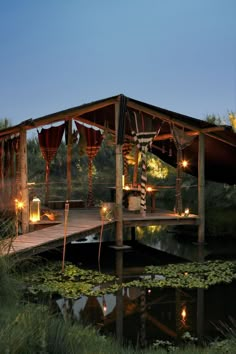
142 315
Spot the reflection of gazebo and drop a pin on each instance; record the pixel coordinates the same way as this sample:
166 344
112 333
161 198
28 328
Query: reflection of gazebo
211 149
92 312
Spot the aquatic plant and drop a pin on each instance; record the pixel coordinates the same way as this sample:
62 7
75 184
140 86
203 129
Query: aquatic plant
76 282
72 283
188 275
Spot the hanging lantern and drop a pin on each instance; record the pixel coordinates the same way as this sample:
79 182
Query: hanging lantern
35 209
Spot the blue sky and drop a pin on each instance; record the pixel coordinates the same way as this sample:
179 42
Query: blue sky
175 54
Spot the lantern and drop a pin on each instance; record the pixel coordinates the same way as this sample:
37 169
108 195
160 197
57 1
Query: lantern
35 209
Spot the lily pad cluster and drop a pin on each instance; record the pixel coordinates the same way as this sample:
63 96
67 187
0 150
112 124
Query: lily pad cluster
191 275
72 283
75 282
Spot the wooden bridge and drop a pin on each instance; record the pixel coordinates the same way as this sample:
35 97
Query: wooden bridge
84 222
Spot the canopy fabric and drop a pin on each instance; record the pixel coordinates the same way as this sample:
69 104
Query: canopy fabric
49 142
93 139
143 141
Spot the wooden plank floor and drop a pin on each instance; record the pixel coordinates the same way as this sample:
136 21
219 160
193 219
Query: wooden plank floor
83 222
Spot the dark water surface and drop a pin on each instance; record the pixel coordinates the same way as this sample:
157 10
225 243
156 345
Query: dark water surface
142 316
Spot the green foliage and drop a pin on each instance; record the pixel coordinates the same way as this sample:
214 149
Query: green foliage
73 283
76 282
8 286
188 275
7 223
221 221
4 123
214 119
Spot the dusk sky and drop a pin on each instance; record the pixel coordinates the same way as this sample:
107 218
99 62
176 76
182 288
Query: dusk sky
175 54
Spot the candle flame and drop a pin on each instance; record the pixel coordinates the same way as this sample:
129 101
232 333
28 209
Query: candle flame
184 163
184 314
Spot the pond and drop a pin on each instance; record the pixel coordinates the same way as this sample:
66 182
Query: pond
143 315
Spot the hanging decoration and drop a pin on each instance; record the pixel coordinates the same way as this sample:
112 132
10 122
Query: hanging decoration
93 139
49 142
181 140
143 140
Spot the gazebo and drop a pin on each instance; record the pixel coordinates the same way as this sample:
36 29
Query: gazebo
171 136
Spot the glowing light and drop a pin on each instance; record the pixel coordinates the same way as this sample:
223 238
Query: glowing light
184 163
127 188
123 181
186 212
35 209
149 291
104 209
149 189
19 205
184 314
104 305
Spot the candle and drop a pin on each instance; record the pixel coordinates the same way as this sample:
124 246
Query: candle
186 212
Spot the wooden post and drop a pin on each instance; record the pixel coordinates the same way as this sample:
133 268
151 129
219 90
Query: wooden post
135 175
24 195
119 190
201 188
119 297
68 160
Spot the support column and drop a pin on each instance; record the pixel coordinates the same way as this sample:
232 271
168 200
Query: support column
23 193
68 160
201 188
119 190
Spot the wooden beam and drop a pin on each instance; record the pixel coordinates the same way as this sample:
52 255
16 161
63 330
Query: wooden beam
119 191
155 114
69 159
72 112
57 117
221 139
201 189
193 133
23 181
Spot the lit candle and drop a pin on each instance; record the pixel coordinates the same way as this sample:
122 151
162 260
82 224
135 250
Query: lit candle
184 314
186 212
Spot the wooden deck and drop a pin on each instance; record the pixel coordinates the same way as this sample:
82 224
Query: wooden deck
84 222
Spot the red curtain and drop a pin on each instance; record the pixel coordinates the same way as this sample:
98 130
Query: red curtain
49 142
93 139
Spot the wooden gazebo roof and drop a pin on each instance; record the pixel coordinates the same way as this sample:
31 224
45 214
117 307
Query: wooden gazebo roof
220 141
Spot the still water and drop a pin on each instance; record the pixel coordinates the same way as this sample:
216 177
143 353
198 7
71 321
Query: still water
142 316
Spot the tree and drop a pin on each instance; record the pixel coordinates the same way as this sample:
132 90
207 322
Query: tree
4 123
